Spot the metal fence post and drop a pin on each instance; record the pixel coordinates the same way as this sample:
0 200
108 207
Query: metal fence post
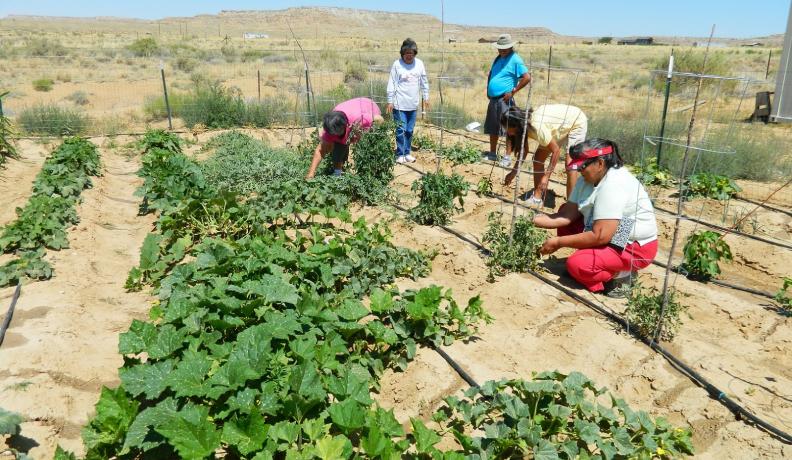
665 107
258 79
165 92
549 64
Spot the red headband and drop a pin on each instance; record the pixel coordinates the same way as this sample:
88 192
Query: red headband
593 153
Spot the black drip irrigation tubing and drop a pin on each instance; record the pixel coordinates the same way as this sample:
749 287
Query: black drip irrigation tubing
714 392
722 283
766 206
10 313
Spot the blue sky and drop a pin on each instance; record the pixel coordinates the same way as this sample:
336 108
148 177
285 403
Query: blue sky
570 17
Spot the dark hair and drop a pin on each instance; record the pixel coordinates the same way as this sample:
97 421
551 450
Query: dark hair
612 160
515 117
335 123
407 45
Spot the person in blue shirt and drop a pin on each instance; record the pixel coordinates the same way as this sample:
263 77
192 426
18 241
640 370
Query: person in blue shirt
507 75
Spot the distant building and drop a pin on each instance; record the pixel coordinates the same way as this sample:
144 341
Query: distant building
487 40
636 41
254 36
452 40
753 44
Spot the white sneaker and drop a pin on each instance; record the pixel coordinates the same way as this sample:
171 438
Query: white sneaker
401 160
505 161
409 158
533 201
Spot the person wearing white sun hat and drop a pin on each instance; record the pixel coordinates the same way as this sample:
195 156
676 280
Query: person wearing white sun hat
508 75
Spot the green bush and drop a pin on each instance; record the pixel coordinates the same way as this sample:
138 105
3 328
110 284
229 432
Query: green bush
692 61
267 112
213 106
155 109
448 115
78 98
518 255
605 40
144 47
43 84
52 120
186 64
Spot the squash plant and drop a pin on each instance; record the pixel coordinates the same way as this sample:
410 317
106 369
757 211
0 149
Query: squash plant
653 174
703 250
710 186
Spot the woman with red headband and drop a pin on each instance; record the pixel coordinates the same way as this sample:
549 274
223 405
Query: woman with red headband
609 219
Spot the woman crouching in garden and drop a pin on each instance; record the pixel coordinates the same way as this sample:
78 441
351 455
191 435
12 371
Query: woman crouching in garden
609 219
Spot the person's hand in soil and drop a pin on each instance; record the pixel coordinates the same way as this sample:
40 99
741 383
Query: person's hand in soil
550 246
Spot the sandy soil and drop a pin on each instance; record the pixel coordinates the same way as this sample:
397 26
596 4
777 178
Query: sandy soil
61 347
732 338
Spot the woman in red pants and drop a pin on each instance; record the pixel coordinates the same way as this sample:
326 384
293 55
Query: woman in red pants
609 219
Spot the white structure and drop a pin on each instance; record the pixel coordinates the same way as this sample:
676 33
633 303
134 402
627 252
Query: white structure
254 36
782 104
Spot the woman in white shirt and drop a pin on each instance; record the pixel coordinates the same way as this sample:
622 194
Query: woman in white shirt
407 79
609 219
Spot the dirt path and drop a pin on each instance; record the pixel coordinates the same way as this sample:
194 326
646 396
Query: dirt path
16 179
61 347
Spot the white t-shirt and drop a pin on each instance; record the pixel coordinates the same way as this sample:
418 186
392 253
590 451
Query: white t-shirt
618 196
405 83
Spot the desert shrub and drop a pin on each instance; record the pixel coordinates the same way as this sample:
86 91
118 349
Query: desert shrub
144 47
252 55
643 312
692 61
518 255
52 120
7 148
64 77
214 106
186 64
229 53
437 193
78 98
605 40
703 250
44 47
155 109
267 112
43 84
447 115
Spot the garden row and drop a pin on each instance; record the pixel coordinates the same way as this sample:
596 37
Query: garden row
277 317
43 222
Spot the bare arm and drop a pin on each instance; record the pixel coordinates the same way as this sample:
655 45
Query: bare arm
600 235
567 214
321 150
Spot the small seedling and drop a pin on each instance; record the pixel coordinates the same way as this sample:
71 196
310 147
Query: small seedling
703 250
783 297
423 142
643 311
484 187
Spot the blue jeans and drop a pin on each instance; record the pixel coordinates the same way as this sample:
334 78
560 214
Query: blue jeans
405 124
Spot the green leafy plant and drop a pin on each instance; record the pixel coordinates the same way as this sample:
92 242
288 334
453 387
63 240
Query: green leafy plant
144 47
9 426
372 157
7 148
518 255
652 174
423 141
703 250
710 186
643 311
460 153
783 297
50 211
558 416
43 84
484 187
437 193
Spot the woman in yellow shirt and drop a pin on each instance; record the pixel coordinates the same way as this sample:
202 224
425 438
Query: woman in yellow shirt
551 126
